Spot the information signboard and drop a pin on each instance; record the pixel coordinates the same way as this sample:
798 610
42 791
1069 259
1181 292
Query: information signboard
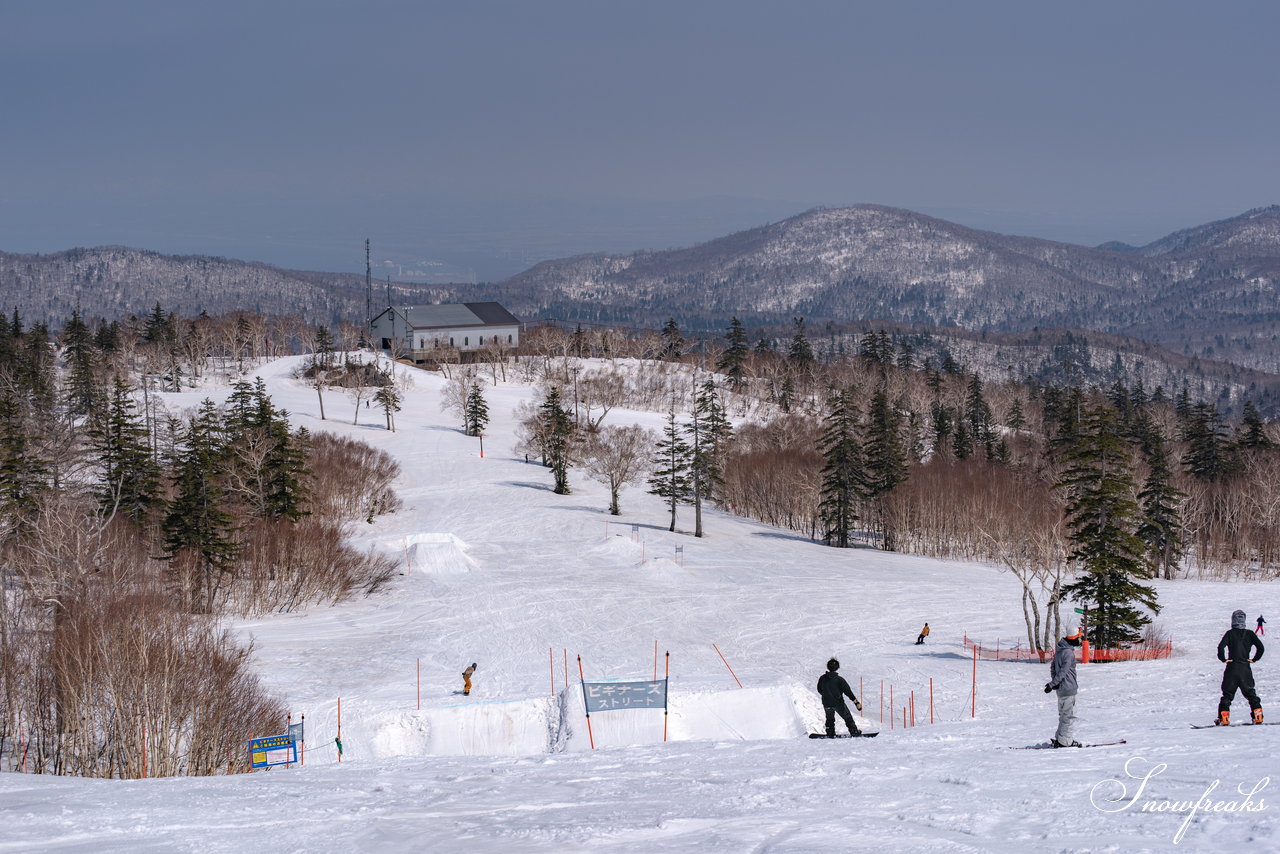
272 750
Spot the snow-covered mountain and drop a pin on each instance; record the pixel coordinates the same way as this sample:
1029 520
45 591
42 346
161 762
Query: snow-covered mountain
501 571
1208 292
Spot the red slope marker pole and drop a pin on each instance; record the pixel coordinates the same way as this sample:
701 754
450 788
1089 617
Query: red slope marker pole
973 710
726 664
590 734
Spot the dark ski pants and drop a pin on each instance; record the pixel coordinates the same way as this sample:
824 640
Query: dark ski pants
920 639
845 716
1238 676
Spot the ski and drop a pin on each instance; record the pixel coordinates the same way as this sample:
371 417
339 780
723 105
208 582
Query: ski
846 735
1051 747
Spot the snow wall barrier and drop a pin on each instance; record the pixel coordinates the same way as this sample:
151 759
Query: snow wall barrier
546 725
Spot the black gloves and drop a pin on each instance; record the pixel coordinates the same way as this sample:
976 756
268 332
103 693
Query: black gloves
1048 687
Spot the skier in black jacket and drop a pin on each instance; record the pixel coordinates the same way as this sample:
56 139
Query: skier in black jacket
833 688
1236 649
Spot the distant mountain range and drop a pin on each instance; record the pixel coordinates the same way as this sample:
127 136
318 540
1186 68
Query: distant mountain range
1206 294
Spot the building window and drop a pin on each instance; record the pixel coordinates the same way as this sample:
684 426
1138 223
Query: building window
481 342
466 342
508 339
450 341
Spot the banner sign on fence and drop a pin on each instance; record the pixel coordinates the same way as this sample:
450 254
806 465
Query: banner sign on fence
609 696
272 750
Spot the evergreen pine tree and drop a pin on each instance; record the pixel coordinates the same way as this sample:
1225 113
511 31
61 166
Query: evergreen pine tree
557 439
198 523
578 345
324 348
477 411
1253 433
1205 458
1161 526
709 433
981 425
733 360
801 352
943 425
962 441
388 399
1103 518
672 340
22 472
885 459
84 394
129 478
1017 419
844 476
671 477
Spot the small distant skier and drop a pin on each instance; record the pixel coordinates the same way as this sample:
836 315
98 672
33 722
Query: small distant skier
924 633
1260 630
466 679
833 688
1062 678
1236 649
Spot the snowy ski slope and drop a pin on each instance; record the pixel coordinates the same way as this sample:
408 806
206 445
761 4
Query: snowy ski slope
501 571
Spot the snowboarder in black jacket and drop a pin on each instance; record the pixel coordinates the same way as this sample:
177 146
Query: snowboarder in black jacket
1236 649
833 688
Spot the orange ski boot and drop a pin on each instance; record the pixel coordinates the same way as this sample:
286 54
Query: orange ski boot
1224 719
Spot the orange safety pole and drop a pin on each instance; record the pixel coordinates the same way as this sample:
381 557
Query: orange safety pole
973 710
288 725
665 691
726 664
590 735
930 699
551 662
904 717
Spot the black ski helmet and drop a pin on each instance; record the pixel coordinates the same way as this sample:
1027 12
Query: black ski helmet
833 665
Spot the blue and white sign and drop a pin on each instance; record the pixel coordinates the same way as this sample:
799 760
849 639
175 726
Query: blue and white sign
610 696
272 750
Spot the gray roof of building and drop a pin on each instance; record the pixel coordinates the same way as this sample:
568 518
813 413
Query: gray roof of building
464 314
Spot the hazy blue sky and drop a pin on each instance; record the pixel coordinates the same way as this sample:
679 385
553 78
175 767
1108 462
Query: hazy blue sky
486 135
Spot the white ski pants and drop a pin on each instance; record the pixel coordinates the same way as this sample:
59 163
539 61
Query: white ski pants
1066 718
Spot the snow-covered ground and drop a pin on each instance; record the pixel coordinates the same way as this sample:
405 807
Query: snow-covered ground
501 571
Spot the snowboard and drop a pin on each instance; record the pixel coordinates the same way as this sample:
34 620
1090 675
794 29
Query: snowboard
1250 723
1051 747
846 735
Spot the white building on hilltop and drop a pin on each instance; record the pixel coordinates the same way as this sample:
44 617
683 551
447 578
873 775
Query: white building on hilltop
467 326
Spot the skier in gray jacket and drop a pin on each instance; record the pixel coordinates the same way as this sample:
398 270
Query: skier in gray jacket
1062 678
